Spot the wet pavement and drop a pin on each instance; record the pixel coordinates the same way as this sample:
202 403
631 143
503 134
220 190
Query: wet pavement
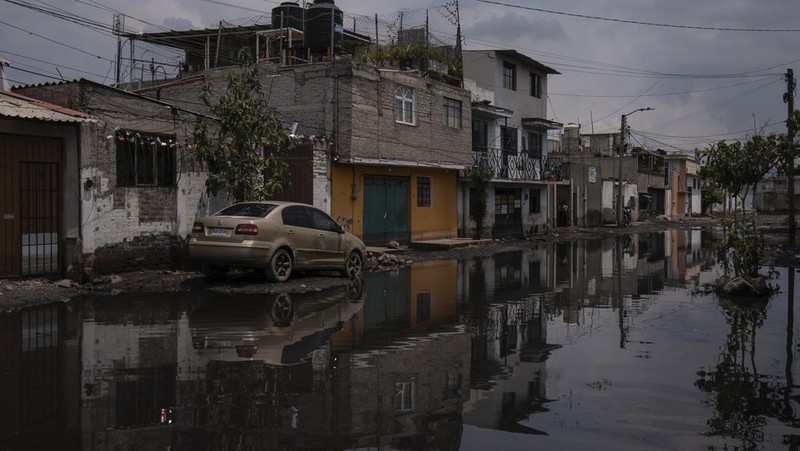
591 344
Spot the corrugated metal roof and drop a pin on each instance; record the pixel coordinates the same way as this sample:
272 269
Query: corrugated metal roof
17 106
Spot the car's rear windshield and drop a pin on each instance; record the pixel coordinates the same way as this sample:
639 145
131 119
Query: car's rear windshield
247 210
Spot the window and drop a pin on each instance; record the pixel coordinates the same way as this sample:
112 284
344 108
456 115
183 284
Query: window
423 307
534 205
480 135
452 113
145 159
452 384
404 105
403 399
423 191
535 145
509 76
509 137
321 221
247 210
536 85
296 216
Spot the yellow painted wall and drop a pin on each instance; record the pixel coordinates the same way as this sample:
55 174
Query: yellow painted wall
437 221
440 280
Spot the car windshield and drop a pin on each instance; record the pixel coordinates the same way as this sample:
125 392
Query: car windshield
248 210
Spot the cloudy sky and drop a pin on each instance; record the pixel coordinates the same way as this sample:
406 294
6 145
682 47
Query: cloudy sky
703 82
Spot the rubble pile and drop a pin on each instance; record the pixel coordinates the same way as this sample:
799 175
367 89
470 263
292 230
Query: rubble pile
377 261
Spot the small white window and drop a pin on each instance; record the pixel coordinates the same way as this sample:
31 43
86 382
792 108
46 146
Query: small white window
403 399
404 105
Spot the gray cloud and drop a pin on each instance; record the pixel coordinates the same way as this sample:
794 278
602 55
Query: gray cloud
594 57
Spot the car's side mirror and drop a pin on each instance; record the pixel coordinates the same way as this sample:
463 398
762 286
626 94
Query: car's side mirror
339 228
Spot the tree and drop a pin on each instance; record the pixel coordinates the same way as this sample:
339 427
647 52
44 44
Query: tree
245 152
738 167
479 177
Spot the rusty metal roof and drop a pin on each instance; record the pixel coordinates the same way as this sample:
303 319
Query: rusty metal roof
16 106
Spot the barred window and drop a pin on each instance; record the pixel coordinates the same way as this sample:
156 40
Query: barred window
452 113
423 191
145 159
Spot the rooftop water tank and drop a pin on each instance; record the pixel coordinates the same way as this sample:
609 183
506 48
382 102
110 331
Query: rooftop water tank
288 14
324 21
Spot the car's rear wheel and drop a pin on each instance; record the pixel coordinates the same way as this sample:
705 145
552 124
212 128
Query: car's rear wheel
282 310
353 265
280 267
214 272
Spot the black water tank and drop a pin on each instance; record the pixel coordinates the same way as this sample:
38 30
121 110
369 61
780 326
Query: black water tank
322 18
292 16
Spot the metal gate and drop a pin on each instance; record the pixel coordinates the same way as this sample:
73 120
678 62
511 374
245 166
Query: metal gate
29 205
387 307
39 217
508 213
385 210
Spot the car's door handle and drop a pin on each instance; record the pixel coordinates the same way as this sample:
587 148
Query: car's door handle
290 232
321 236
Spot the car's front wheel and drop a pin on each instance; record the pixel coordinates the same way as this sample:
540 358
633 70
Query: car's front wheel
280 267
353 265
214 272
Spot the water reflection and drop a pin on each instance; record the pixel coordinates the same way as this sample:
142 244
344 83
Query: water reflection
591 344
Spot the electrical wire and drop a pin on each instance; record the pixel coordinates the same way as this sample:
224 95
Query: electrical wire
652 24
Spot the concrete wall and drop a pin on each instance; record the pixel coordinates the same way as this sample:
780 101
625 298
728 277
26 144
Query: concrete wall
437 221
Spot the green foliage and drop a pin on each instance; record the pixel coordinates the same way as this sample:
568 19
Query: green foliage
743 249
710 195
245 152
479 178
415 52
738 167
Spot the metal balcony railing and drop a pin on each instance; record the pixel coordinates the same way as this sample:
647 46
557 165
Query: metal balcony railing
519 166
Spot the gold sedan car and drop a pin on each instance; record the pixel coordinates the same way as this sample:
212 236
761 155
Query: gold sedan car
278 237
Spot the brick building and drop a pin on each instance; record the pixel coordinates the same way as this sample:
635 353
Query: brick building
138 185
389 142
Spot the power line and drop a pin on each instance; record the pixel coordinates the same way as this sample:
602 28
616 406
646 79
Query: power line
652 24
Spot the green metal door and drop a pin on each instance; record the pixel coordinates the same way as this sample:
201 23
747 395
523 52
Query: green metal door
386 307
385 210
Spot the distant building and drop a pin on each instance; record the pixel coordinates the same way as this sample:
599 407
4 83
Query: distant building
510 141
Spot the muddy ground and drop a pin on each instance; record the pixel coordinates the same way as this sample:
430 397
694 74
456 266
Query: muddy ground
19 293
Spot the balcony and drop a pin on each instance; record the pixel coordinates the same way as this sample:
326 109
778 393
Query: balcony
519 166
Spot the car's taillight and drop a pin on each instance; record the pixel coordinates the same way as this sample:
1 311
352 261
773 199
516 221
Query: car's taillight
246 351
198 227
247 229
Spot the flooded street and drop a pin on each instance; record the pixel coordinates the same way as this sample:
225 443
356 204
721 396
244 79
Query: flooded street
581 345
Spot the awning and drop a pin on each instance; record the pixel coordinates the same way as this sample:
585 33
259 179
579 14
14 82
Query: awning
541 122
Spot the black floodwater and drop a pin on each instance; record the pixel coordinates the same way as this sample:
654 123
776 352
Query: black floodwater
551 347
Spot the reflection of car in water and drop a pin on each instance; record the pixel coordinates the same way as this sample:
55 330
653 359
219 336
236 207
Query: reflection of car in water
280 329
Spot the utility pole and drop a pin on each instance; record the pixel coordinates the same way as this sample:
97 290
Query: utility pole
118 30
622 130
789 99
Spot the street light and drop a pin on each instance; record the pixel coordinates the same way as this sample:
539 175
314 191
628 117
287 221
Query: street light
623 127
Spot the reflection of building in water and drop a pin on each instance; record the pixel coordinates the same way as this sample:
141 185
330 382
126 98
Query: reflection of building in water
685 261
508 300
38 373
402 364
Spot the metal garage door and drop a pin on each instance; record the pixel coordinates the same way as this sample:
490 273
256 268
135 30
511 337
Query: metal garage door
385 210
